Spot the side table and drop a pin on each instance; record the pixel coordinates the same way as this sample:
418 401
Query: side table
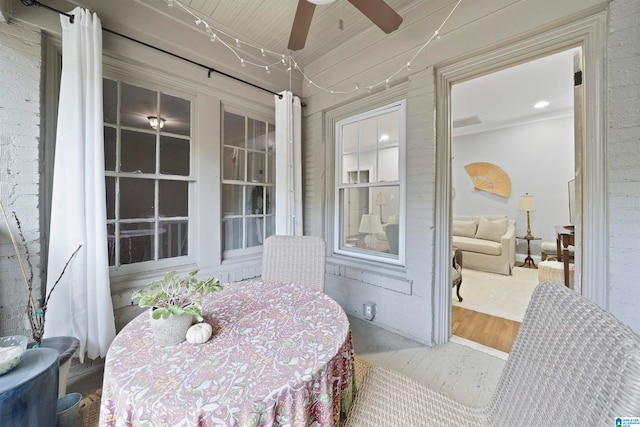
29 392
528 261
565 237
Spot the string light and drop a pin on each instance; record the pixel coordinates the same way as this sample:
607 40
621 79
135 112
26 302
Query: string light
282 58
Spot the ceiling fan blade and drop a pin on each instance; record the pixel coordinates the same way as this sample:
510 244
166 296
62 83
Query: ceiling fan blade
379 13
301 24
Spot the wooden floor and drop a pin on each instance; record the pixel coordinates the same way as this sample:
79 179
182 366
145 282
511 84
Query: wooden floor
494 332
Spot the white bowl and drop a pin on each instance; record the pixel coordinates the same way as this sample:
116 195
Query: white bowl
11 350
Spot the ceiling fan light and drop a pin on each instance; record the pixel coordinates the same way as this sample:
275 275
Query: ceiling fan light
321 2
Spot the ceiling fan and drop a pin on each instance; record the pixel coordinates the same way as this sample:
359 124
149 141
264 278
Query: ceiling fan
377 11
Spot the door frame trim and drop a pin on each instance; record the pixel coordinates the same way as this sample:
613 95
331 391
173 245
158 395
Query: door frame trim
591 271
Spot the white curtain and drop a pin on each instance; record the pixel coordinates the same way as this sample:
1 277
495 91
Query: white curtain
80 305
288 165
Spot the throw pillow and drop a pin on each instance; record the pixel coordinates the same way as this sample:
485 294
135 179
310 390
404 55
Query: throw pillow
492 230
464 228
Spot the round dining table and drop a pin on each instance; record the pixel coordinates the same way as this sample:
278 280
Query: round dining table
280 355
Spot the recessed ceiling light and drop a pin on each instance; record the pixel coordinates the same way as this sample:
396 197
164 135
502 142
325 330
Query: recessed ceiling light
384 137
541 104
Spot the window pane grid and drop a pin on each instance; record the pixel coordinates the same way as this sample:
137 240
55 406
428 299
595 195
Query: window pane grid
247 152
144 234
368 185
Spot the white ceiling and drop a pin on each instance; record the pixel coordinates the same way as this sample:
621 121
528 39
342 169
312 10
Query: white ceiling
267 23
500 99
507 97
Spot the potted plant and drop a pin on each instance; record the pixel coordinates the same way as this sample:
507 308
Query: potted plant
174 302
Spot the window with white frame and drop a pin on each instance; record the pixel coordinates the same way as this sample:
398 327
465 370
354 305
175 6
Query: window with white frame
248 180
369 184
147 146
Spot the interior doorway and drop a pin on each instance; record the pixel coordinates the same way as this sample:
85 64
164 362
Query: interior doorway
588 33
512 142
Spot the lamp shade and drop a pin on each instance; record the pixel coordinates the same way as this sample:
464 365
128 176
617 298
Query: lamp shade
370 223
526 203
380 199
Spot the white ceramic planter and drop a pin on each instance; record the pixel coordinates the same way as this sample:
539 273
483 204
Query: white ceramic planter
170 331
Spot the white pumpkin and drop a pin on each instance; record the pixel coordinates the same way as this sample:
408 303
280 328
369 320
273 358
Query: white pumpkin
199 333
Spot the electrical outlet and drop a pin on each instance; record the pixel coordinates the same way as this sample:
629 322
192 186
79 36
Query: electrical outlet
369 310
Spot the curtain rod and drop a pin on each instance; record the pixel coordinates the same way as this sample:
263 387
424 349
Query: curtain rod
209 69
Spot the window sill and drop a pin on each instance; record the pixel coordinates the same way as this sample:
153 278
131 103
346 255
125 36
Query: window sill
138 275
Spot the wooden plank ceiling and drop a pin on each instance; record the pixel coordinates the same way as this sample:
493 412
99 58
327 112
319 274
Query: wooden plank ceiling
267 23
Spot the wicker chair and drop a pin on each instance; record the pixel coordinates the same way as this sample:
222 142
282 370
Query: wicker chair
295 259
571 364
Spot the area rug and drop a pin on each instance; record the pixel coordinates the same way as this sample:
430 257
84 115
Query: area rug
90 409
496 294
361 367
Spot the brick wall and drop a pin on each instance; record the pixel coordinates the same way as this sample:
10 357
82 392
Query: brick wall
624 157
20 81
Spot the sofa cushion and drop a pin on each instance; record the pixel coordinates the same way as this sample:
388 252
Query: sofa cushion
471 244
491 230
464 228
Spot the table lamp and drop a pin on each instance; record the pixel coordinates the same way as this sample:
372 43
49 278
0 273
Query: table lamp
370 224
527 204
381 200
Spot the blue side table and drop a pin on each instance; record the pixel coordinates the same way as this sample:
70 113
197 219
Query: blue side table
29 392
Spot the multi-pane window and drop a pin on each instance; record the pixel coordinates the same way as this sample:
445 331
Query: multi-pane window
369 184
248 179
147 145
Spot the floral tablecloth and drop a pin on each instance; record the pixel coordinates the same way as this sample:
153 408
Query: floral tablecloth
281 355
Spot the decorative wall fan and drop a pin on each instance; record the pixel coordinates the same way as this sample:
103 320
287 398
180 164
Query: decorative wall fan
490 178
377 11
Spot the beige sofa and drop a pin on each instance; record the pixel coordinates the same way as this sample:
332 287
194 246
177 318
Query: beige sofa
488 242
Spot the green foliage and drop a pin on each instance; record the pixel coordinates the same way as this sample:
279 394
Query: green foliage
176 295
